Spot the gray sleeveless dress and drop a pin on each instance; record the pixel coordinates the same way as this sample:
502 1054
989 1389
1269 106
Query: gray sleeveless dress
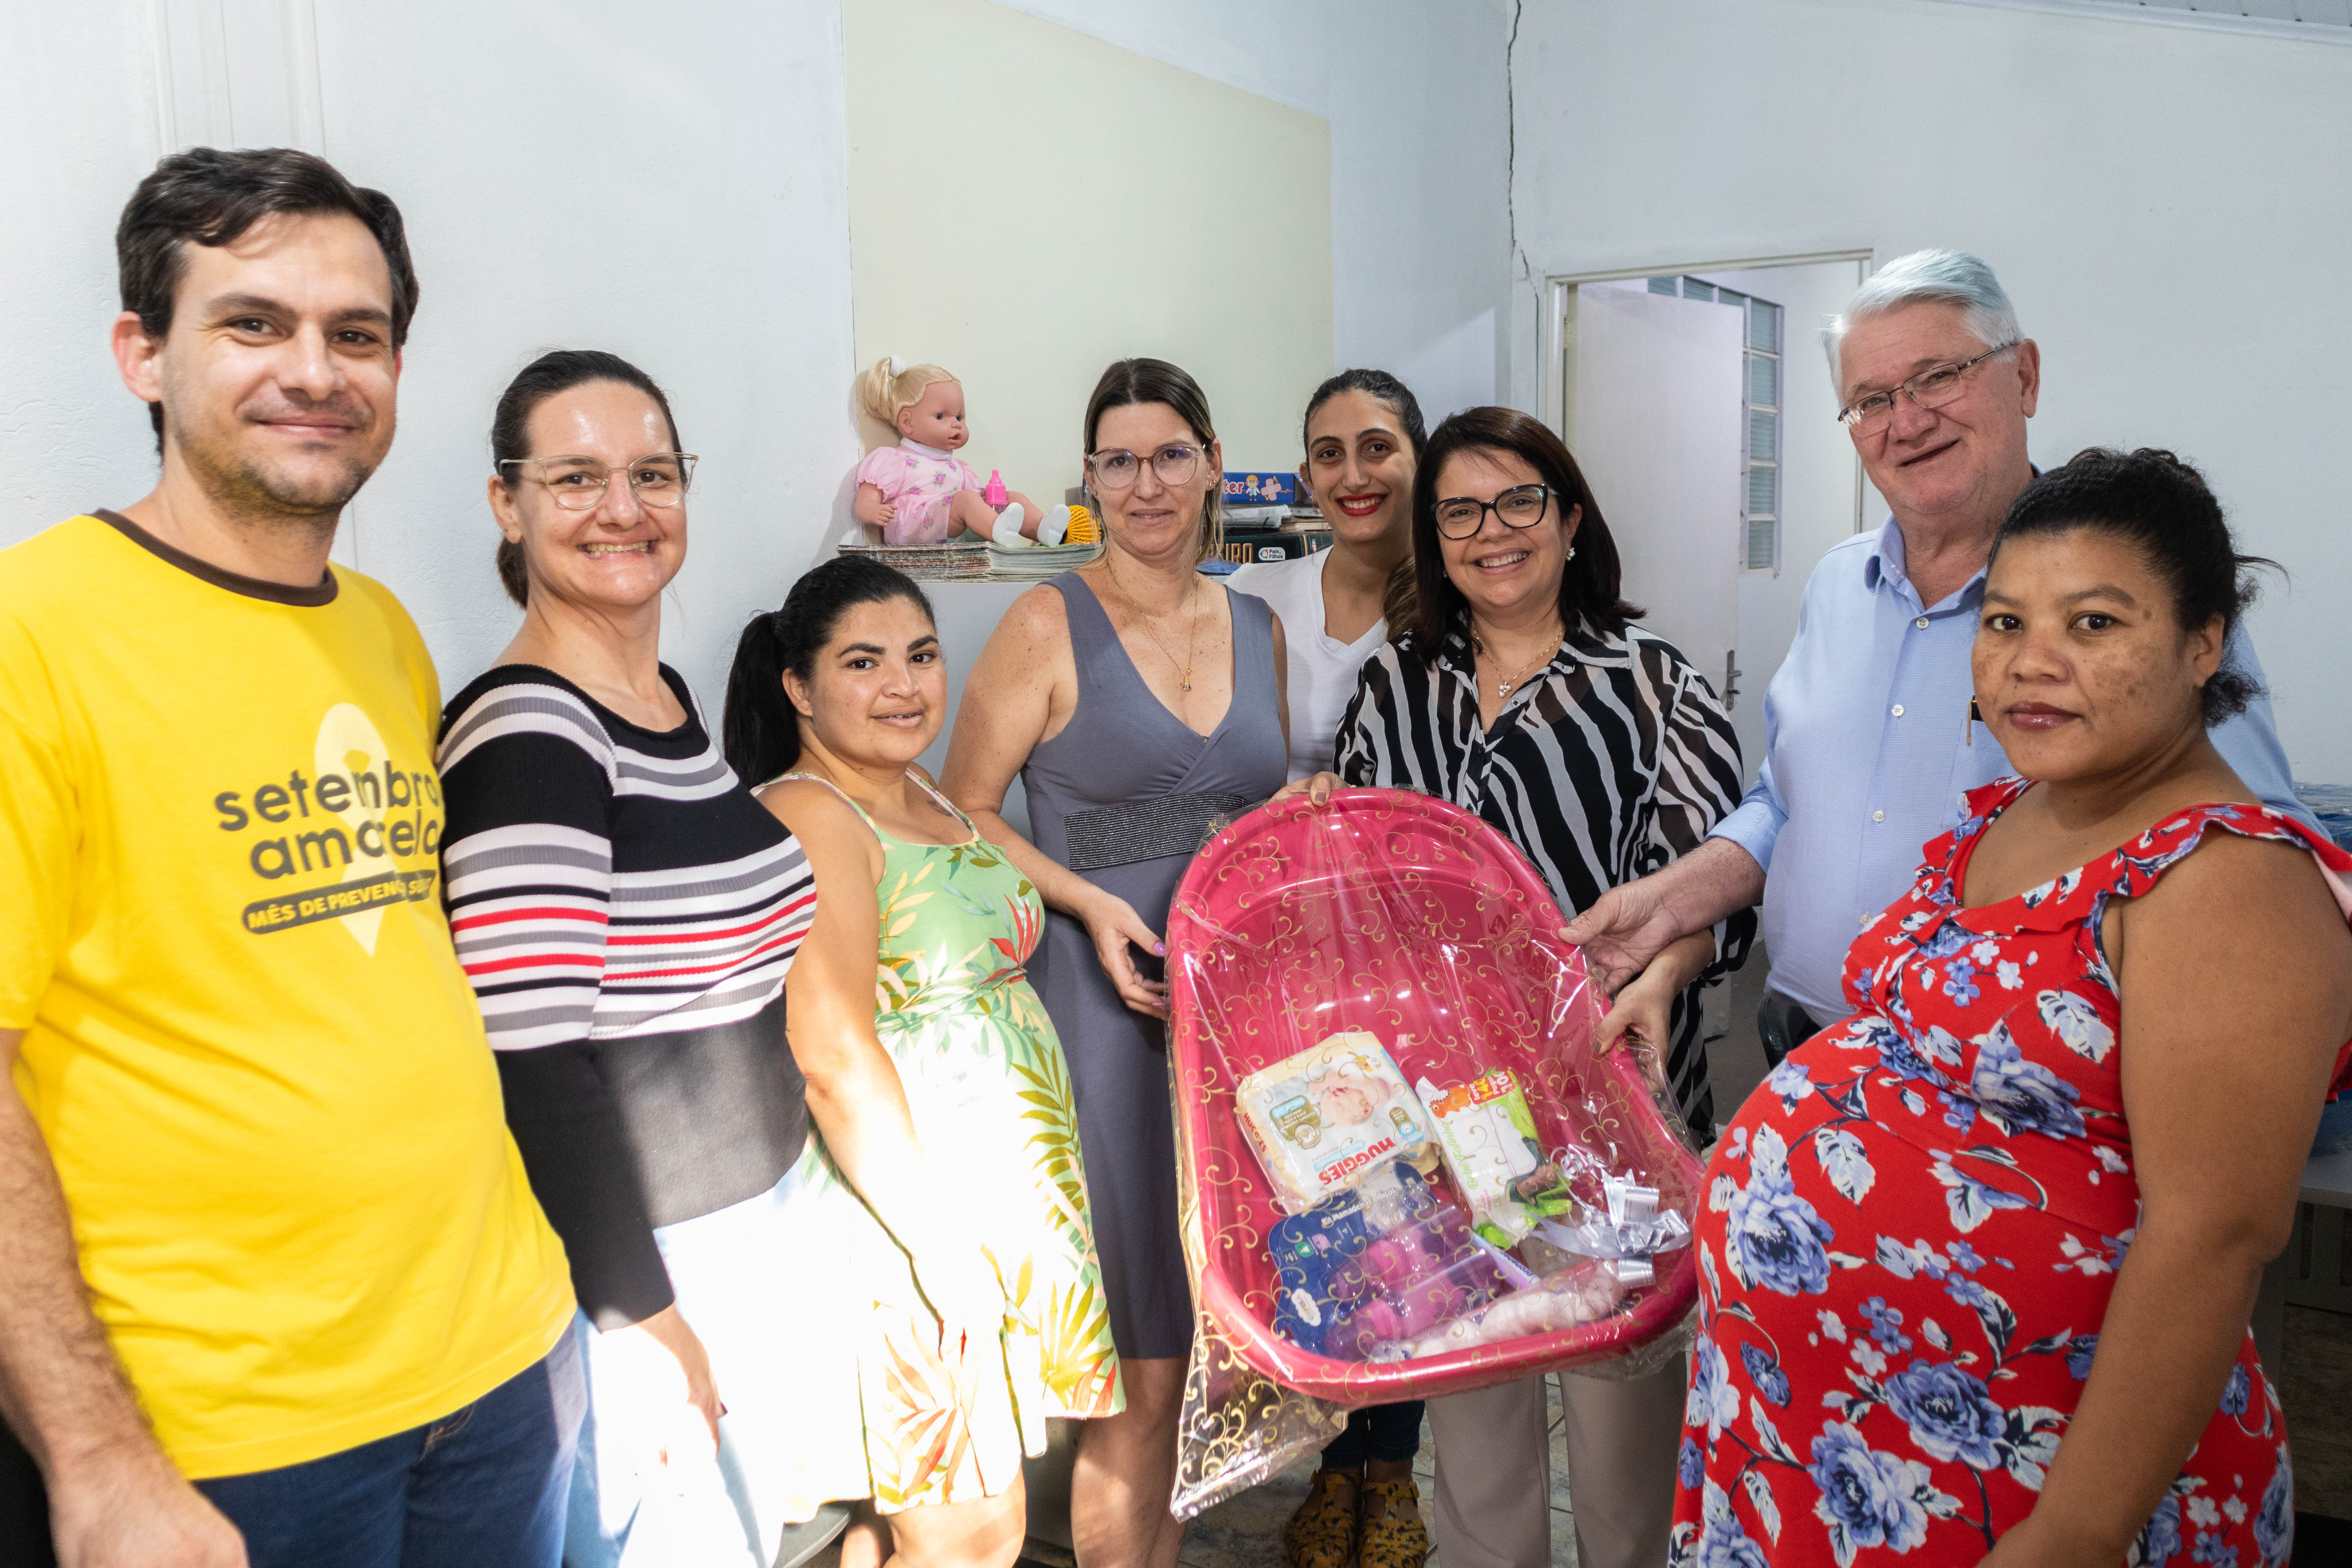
1126 777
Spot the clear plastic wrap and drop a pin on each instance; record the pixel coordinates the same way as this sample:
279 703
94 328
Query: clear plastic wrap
1408 918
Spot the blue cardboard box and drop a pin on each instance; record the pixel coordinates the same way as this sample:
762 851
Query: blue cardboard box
1268 489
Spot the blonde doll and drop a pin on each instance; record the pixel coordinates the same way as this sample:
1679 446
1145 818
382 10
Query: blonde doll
919 492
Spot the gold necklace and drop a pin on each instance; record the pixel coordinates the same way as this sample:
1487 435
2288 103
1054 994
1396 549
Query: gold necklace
1503 689
1191 645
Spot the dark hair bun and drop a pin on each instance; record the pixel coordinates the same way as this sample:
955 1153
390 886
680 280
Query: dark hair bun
2160 504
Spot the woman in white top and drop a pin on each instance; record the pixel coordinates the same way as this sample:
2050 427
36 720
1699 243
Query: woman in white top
1364 438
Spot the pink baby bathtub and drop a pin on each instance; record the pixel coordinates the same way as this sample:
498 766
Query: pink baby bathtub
1409 917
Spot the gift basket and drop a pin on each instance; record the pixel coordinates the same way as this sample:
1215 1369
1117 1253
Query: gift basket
1404 1171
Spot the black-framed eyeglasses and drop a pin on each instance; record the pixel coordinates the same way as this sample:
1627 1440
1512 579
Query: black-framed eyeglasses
1175 463
1931 388
659 479
1523 506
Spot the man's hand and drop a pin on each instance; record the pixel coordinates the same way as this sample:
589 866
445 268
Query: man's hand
1631 924
132 1509
115 1502
1626 927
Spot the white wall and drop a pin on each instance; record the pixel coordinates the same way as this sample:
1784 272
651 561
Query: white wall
670 186
1119 205
80 121
1420 233
1414 94
2109 171
705 148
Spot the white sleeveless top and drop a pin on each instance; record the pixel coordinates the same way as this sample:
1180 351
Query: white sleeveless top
1322 676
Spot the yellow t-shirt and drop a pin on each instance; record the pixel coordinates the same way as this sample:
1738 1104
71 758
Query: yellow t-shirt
259 1069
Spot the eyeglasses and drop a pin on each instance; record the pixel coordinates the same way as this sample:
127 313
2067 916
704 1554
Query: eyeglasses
1175 464
659 479
1931 388
1459 517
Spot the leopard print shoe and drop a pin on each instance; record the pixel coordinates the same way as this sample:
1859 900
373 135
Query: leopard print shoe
1390 1534
1322 1534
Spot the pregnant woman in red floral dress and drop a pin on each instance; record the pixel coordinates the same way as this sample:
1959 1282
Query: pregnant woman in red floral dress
1977 1264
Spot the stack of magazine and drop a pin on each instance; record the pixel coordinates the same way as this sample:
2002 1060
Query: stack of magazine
929 563
976 559
1039 561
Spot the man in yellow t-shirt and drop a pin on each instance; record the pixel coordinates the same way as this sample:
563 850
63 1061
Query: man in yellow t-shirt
262 1226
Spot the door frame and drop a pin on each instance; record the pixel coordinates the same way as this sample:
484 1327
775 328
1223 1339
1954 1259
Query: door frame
1553 388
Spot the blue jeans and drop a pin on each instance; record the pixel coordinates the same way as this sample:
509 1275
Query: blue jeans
483 1486
1391 1433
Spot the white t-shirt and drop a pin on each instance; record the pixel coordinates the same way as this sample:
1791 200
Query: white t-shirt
1323 670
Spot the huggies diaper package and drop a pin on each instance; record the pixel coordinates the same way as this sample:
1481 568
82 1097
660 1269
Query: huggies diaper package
1489 1145
1323 1120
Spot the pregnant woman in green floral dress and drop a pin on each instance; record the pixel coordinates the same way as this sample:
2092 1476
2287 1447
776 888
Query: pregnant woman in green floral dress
955 1306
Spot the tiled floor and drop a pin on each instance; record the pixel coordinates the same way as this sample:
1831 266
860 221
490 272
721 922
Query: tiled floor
1247 1531
2315 1386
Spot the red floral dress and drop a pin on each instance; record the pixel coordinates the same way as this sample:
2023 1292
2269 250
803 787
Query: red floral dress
1912 1230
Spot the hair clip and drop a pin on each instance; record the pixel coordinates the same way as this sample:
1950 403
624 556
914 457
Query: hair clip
897 367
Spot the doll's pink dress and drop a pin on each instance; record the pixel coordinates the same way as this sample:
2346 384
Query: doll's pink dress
919 481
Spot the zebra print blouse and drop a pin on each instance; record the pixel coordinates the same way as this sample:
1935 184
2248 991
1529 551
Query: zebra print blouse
1614 761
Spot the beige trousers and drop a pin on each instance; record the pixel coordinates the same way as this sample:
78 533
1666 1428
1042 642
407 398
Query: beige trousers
1494 1471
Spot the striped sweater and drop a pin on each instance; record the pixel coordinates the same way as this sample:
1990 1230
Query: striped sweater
627 912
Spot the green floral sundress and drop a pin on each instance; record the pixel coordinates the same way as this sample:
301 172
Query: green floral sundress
990 1093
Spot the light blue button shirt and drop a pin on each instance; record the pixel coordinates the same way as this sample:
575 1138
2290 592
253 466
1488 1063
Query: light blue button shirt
1866 757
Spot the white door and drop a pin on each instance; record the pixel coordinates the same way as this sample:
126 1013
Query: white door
1654 418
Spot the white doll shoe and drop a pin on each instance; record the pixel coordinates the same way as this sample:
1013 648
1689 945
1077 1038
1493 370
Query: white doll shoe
1007 534
1056 526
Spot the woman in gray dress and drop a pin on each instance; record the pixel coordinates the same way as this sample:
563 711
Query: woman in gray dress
1140 701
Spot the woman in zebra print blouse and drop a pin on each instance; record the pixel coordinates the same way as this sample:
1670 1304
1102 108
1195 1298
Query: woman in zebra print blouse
1522 692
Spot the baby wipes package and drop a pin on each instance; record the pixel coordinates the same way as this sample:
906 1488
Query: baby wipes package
1323 1120
1490 1148
1370 1268
1318 1256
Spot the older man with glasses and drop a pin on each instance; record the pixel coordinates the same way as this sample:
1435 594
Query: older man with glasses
1869 738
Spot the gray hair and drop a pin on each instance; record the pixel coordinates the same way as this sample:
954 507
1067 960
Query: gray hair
1940 277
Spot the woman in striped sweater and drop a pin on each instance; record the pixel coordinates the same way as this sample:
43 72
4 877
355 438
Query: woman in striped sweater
627 912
